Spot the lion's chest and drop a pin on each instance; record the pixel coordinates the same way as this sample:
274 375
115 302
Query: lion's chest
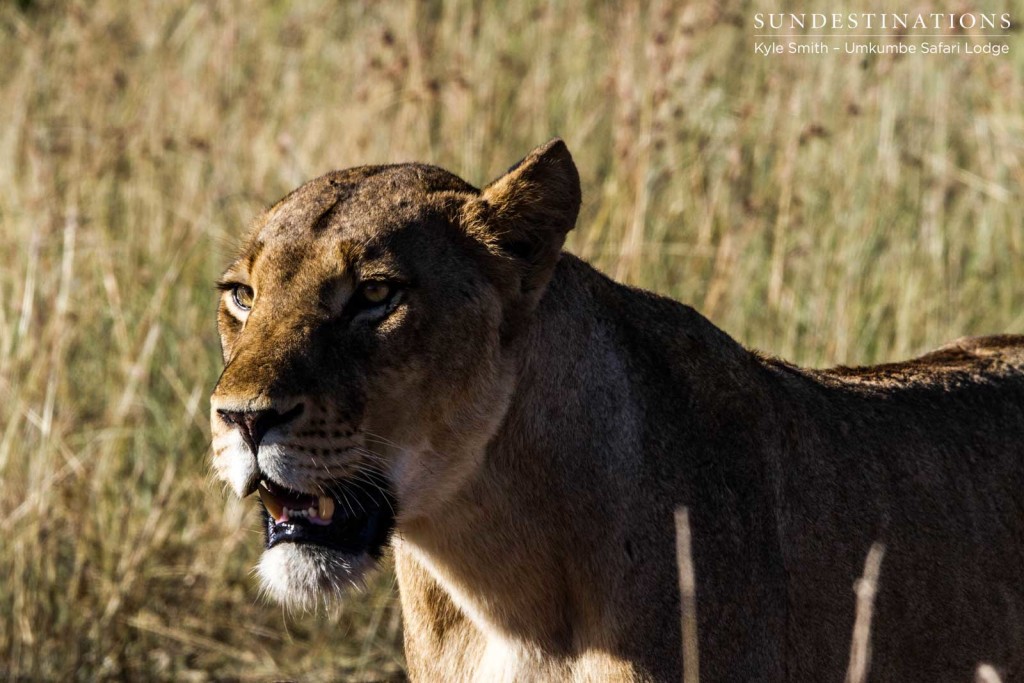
503 660
472 647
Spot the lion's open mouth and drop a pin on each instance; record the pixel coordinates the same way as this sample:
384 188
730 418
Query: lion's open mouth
351 519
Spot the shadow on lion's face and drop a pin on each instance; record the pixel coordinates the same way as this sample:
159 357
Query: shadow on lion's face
365 329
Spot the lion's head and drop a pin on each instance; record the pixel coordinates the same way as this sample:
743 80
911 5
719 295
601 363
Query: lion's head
369 329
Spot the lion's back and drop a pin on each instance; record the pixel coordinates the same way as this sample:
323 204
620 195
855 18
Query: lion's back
965 360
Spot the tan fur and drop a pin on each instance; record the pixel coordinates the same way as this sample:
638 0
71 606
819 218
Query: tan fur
538 425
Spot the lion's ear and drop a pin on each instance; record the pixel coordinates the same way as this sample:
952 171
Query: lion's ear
527 212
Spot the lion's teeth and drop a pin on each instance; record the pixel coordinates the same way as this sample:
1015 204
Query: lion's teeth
270 503
325 508
321 512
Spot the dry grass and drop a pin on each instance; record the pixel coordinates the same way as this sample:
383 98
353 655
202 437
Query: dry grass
687 598
824 209
860 643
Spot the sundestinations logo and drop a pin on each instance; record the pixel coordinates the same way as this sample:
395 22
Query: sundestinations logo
928 33
884 21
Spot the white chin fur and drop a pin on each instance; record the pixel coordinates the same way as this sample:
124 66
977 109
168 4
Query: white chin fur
304 577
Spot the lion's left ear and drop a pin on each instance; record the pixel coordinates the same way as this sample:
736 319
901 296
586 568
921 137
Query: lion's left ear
527 212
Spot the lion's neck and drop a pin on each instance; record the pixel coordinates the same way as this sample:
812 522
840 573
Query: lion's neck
528 551
506 550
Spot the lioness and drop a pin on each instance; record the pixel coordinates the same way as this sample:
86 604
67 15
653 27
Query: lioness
412 361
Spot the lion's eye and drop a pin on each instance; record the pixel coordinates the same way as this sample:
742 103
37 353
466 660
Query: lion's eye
242 296
375 292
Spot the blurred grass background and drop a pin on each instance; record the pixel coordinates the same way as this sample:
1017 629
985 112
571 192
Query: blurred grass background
828 209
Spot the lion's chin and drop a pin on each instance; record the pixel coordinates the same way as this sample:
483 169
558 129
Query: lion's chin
319 545
306 577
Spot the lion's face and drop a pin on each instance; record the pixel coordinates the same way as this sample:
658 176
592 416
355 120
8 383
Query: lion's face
366 330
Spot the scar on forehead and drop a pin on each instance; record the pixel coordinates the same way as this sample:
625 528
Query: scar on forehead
342 193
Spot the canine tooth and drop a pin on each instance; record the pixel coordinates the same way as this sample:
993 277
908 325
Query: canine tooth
272 506
311 512
325 508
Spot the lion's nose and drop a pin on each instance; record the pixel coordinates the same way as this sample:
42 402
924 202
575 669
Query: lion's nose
254 424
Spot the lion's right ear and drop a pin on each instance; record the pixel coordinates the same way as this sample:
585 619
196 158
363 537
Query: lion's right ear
527 212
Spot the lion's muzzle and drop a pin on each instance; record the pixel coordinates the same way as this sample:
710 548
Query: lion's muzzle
254 424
